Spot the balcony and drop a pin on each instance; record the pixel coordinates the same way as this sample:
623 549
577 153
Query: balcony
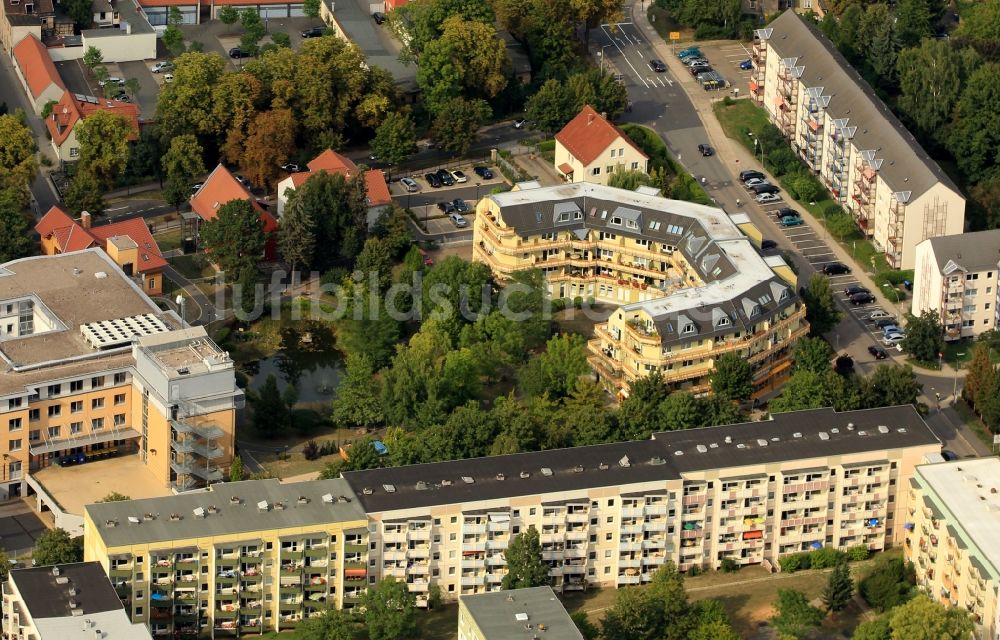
473 529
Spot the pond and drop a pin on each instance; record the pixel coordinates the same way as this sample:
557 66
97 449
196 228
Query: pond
306 358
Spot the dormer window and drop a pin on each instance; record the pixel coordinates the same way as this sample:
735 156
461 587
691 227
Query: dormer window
563 217
616 220
764 299
631 224
578 215
688 328
723 322
538 216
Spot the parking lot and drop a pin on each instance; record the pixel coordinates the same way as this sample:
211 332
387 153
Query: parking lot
725 59
427 201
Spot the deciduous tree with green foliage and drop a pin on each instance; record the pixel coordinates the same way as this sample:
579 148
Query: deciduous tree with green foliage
338 208
557 369
356 402
236 472
389 611
14 239
468 60
297 236
55 546
879 40
974 134
332 624
18 166
184 157
84 194
457 123
82 13
732 377
821 310
92 57
813 354
888 583
395 139
525 567
229 15
924 336
980 373
794 615
930 83
235 237
924 619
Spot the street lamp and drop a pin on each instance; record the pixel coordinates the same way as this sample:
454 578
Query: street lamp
954 383
477 191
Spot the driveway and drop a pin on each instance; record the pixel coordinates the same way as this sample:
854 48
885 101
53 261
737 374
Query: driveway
149 90
375 41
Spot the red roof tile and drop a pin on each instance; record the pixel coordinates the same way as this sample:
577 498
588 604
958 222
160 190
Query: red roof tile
377 189
150 258
588 135
68 233
219 188
332 162
68 111
36 65
127 109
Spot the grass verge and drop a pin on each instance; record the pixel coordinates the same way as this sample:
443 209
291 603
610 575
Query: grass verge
972 421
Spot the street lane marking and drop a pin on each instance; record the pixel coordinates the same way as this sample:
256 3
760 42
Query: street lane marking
624 57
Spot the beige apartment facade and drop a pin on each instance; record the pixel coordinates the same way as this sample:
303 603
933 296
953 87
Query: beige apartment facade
609 515
94 369
951 526
870 163
241 558
957 276
590 148
690 283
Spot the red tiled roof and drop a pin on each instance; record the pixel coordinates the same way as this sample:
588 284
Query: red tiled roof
68 111
127 109
566 169
219 188
588 135
150 258
377 189
68 233
36 65
168 3
332 162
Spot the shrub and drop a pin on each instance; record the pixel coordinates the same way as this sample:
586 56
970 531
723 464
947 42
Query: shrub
858 553
335 275
546 145
795 562
578 302
826 557
888 584
728 565
694 571
310 450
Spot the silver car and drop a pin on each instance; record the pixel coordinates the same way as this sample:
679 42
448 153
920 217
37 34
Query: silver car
409 184
458 220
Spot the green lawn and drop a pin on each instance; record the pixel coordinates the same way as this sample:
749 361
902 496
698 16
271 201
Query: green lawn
972 421
193 266
169 239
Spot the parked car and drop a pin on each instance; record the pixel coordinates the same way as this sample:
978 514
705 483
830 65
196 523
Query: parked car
893 338
112 80
891 328
836 269
458 220
767 245
459 177
747 64
196 187
483 172
313 32
445 207
291 167
378 17
460 206
657 65
753 182
862 298
878 314
409 184
878 352
445 177
854 288
689 52
160 67
750 173
785 212
433 180
243 181
701 68
122 97
949 455
238 53
695 60
765 188
705 150
789 221
519 123
882 323
771 197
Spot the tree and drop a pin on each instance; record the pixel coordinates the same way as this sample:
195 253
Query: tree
84 194
821 310
184 157
812 354
229 15
662 612
297 237
338 208
639 414
930 83
557 370
356 402
839 588
981 22
712 622
732 377
92 57
253 30
630 179
891 386
114 496
236 473
924 336
176 191
425 20
55 546
5 565
525 567
924 619
187 105
587 629
980 373
634 615
246 293
311 8
173 39
594 13
375 262
82 13
270 414
875 629
913 22
674 610
467 60
681 410
877 38
888 583
389 611
272 134
332 624
794 615
551 107
974 135
18 165
15 241
235 237
104 148
457 122
395 139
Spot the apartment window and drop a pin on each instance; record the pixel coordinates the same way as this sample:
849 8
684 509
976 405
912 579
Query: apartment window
97 403
119 378
607 553
608 536
971 292
75 427
972 276
97 424
76 385
55 389
14 424
34 414
609 169
596 171
13 403
97 382
119 419
119 398
76 406
969 308
54 432
34 435
611 502
14 445
635 165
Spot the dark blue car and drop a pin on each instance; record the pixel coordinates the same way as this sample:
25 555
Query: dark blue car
746 64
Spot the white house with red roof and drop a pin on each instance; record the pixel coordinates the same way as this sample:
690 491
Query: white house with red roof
590 148
70 110
37 73
129 243
377 191
221 187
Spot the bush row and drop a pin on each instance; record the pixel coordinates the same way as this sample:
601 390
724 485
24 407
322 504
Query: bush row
821 558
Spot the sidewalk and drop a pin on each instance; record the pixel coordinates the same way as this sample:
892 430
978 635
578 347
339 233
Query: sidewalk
536 165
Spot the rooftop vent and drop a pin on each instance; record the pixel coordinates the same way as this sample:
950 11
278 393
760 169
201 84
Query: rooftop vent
234 500
199 512
525 475
72 591
603 466
729 440
624 462
279 506
797 434
133 520
862 433
656 461
578 468
468 479
175 516
63 580
111 523
678 453
55 571
500 477
521 617
262 505
835 430
741 446
421 485
883 429
850 426
775 439
148 516
212 509
823 435
367 491
702 448
546 471
761 442
446 483
327 498
389 488
343 499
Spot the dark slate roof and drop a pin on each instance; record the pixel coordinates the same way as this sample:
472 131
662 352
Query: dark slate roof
653 460
47 596
979 251
905 165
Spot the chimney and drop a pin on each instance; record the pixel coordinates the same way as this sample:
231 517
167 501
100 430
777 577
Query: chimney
85 219
590 118
604 114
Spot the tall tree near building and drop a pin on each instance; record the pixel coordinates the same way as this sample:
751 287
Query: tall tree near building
639 414
667 591
333 624
338 208
924 619
236 469
356 402
914 21
229 14
18 166
186 104
551 107
84 194
176 191
821 310
556 370
839 588
389 611
732 378
395 139
525 567
270 414
930 83
272 135
594 13
253 30
235 237
795 616
184 157
425 20
879 40
980 373
924 339
981 22
457 123
974 135
82 13
467 60
55 546
890 386
92 57
813 354
634 615
297 236
14 239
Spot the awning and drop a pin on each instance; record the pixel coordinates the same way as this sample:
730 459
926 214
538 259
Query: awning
753 535
94 438
816 545
499 517
908 526
753 85
565 169
355 573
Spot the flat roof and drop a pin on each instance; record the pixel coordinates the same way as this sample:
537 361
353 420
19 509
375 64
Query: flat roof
967 492
243 517
506 615
45 590
76 288
184 352
654 460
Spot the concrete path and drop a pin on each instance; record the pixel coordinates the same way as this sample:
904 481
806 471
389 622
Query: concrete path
206 312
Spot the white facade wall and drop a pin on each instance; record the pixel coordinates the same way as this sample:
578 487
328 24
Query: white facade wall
123 47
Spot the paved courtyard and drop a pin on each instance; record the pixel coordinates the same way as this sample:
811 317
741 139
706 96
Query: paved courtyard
79 485
19 527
